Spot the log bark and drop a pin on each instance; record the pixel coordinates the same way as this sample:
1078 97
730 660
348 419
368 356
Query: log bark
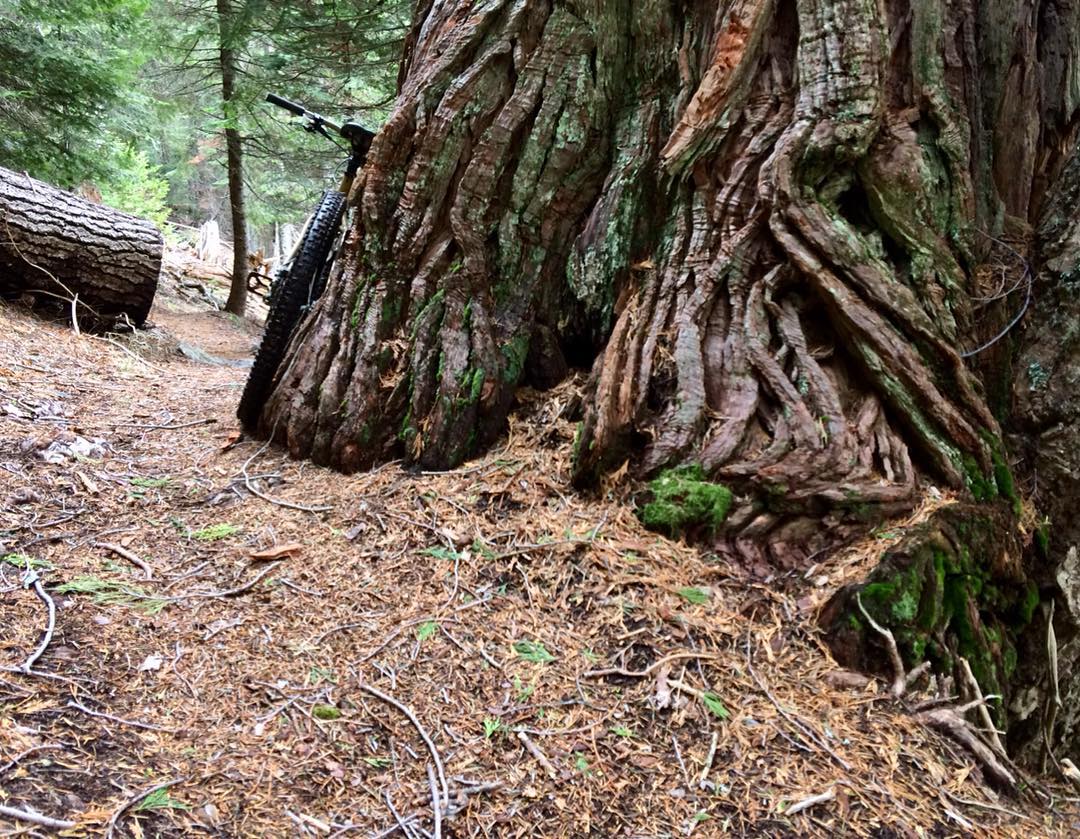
56 245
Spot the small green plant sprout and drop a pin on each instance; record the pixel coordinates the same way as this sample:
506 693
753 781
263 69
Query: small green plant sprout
533 651
376 762
481 549
441 553
492 727
521 690
696 596
622 731
701 816
426 630
580 763
318 675
215 532
715 705
327 713
160 799
180 526
150 483
589 655
22 562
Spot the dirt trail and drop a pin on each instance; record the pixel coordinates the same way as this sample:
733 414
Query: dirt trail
294 666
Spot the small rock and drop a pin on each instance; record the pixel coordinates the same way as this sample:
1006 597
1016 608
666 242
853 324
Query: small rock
209 814
846 680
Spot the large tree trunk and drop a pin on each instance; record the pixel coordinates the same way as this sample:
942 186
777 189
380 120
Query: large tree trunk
1045 431
767 224
58 246
765 213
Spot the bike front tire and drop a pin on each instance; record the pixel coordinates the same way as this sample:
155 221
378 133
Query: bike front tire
300 284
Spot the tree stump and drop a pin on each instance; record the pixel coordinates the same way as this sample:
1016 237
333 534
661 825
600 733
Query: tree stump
58 246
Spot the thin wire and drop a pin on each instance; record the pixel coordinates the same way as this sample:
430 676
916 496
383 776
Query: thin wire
1012 323
1029 277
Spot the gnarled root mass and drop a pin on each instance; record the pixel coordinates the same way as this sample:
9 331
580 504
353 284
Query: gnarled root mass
959 595
760 213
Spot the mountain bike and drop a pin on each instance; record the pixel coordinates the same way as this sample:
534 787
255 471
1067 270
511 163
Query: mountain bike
302 276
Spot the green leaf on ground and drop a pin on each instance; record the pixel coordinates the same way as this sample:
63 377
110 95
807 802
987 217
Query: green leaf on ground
150 483
160 799
533 651
715 705
109 593
215 532
426 630
22 561
694 595
441 553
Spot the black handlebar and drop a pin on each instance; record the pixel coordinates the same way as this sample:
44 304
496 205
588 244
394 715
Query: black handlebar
282 102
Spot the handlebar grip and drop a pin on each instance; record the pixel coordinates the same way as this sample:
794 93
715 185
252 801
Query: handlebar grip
282 102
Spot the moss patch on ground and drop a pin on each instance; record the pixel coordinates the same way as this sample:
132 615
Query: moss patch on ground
683 500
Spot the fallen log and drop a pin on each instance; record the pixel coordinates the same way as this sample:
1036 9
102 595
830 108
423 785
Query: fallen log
57 246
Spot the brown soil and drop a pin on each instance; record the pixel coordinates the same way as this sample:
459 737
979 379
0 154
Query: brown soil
270 666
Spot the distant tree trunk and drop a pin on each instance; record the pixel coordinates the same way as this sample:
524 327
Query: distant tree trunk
57 246
237 302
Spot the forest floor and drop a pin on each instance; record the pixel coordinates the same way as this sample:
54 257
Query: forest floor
246 645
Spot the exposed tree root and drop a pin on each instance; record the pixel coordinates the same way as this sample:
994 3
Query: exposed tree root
948 720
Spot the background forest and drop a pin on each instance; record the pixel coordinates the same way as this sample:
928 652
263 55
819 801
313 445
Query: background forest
125 97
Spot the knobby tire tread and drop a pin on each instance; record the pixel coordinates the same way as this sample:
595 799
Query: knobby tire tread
308 271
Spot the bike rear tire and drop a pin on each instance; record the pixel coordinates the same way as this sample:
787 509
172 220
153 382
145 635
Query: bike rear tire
301 283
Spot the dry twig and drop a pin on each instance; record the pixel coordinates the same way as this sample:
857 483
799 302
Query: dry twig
35 818
32 578
536 752
110 828
652 668
812 801
120 720
899 674
131 557
11 764
435 756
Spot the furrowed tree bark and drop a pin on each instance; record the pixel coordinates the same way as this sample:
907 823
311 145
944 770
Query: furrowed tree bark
227 29
786 235
764 213
56 245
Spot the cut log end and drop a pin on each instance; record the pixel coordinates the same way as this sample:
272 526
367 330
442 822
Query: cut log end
60 248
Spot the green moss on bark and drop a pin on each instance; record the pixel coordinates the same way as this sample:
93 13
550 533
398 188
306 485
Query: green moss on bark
515 351
945 594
